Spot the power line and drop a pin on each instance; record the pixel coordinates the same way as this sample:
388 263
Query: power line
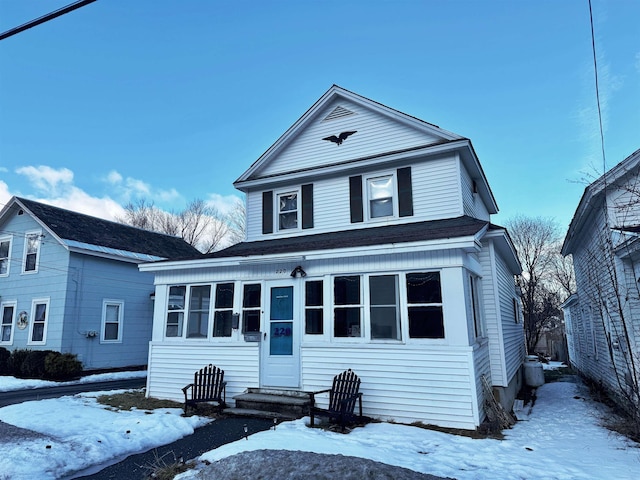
45 18
595 68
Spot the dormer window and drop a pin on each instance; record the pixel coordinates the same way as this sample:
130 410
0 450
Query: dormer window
380 194
288 211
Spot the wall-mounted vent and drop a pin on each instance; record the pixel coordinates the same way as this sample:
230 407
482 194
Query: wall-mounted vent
338 112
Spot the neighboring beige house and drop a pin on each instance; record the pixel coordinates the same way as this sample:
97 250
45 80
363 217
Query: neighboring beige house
369 246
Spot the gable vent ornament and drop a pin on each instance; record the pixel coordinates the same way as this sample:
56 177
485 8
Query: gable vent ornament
340 138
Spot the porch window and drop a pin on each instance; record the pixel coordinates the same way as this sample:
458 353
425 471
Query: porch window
475 307
347 310
31 251
199 304
424 300
112 312
380 196
39 322
251 308
288 211
223 310
8 315
175 311
313 305
384 307
5 248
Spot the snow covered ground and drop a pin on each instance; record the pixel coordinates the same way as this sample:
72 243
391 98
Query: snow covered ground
561 439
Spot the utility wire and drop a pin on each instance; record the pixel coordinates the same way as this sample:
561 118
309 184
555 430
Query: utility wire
45 18
595 68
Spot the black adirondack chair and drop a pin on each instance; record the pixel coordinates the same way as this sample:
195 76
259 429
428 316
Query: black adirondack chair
343 396
208 386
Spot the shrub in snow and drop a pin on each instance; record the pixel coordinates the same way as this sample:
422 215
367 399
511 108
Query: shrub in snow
33 364
4 358
62 366
16 360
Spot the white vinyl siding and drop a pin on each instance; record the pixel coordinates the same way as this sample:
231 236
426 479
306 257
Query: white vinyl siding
438 388
375 134
436 195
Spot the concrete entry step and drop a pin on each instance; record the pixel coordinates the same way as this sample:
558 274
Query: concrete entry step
290 404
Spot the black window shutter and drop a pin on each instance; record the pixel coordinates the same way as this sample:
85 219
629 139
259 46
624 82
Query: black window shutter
355 198
307 205
267 212
405 193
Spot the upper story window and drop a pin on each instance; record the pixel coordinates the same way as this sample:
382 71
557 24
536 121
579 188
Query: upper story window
380 194
31 251
5 252
287 211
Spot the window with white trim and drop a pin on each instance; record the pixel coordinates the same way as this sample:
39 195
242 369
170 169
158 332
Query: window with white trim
8 321
380 196
32 243
39 314
384 307
112 314
198 318
251 309
223 310
287 210
175 311
347 306
478 323
5 254
313 307
424 305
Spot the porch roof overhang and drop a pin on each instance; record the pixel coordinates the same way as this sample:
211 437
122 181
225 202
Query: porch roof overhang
456 233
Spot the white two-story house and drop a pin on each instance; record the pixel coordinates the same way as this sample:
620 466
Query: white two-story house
369 246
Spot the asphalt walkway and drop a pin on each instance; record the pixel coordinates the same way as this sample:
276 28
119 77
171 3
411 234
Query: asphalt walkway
213 435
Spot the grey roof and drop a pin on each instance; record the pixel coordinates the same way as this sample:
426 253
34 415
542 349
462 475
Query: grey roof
85 229
362 237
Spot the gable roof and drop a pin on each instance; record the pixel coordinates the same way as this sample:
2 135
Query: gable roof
84 232
426 139
595 192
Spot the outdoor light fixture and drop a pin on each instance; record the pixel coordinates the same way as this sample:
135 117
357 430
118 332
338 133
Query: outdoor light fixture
275 422
246 430
298 271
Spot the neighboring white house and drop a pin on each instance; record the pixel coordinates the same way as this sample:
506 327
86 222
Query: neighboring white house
602 318
369 246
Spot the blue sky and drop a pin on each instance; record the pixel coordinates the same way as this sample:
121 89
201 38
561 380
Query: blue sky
172 101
